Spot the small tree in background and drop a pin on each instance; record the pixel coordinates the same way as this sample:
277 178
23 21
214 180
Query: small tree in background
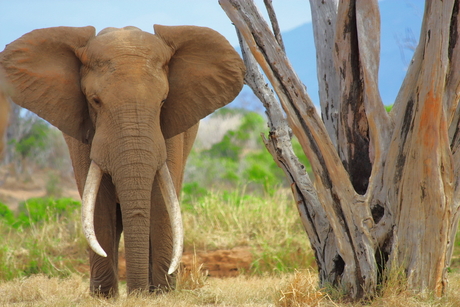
386 193
33 143
235 159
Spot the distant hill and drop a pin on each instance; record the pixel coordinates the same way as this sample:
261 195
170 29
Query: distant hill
400 30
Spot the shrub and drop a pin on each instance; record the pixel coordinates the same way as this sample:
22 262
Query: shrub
34 139
37 210
226 148
239 158
6 214
192 192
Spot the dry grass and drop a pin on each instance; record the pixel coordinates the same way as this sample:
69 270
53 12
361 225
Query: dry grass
296 289
193 278
302 290
39 290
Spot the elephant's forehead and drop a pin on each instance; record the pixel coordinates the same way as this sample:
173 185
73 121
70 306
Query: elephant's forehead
113 29
121 42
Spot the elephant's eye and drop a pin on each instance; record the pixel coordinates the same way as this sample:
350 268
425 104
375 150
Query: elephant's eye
163 101
97 101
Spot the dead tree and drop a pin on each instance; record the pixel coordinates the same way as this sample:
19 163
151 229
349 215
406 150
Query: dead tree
386 192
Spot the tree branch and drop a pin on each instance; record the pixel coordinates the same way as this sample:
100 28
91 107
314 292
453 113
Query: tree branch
274 21
312 214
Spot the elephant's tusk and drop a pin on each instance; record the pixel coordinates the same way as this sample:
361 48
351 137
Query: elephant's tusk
172 205
93 181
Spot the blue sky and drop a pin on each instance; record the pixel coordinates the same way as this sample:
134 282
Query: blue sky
21 16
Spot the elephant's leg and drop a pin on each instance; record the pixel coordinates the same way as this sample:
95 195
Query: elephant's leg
108 228
107 222
160 243
178 149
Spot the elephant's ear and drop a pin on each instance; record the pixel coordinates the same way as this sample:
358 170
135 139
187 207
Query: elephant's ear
205 73
44 71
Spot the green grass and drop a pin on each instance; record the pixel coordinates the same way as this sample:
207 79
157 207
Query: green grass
268 225
43 237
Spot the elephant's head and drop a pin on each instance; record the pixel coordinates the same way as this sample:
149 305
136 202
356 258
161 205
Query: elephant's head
124 92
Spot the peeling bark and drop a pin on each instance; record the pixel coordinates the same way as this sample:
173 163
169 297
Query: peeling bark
386 191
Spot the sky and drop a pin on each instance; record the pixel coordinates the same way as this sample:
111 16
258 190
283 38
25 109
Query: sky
22 16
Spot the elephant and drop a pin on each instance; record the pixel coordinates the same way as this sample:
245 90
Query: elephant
128 103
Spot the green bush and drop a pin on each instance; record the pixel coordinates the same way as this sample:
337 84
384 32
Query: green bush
6 214
37 210
227 148
192 192
238 159
261 172
35 138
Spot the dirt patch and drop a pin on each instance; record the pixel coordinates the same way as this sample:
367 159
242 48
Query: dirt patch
218 263
221 263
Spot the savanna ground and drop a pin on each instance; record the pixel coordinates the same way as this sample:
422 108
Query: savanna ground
244 243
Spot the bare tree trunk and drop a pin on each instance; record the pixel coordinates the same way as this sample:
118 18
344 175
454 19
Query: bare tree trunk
386 185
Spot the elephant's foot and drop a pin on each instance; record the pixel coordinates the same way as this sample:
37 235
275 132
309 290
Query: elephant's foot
159 289
162 283
100 291
104 285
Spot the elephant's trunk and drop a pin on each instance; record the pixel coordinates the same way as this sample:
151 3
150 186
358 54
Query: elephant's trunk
133 181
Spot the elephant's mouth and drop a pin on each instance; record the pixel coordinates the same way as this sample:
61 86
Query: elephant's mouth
91 189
